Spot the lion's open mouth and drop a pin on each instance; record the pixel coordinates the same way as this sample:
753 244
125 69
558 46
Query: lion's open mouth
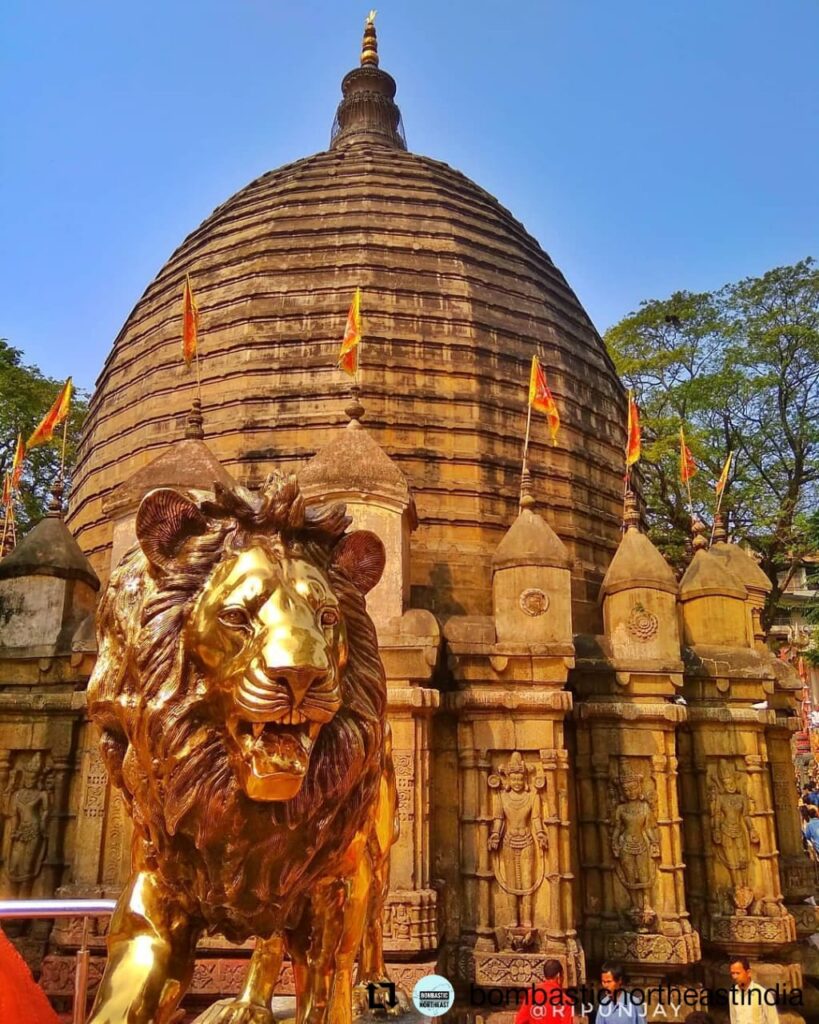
275 748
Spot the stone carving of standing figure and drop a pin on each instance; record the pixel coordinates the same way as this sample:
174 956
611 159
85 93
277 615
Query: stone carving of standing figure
635 846
732 830
519 841
28 807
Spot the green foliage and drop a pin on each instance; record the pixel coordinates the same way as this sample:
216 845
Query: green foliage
739 368
25 397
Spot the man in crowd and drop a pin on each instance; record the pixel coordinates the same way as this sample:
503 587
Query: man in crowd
747 999
548 1003
811 796
616 1005
811 830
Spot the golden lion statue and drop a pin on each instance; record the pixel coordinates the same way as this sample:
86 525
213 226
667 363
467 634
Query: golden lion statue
242 706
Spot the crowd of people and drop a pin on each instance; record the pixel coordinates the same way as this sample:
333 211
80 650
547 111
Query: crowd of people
809 811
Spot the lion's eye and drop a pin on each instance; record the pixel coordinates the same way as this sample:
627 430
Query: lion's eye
234 618
329 617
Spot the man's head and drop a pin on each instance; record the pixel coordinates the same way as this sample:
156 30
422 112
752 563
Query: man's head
813 812
611 978
741 971
553 971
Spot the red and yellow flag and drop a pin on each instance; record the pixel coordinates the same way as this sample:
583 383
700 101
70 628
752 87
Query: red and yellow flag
633 432
723 477
54 417
190 322
688 466
17 462
348 356
540 398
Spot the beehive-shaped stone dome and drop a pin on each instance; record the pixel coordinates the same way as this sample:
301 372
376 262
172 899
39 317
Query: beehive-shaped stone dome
456 298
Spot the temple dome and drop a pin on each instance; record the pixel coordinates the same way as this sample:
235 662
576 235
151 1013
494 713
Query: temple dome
456 298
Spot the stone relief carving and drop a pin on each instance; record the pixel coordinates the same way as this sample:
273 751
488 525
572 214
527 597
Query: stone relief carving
518 842
732 830
27 806
635 843
534 601
642 624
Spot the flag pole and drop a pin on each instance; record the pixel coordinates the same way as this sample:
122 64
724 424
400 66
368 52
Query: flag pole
65 439
528 428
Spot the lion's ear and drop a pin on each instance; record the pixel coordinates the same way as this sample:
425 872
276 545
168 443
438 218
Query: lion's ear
362 557
165 520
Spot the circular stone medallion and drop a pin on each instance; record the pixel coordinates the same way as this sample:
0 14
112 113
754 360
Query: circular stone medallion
642 625
534 601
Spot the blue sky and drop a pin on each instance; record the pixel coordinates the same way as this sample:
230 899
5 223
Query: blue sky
648 146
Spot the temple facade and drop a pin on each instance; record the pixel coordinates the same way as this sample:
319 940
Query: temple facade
592 755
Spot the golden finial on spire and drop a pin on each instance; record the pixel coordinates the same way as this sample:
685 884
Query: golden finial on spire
369 49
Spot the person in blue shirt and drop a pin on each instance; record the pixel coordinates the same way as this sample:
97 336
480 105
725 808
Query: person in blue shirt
813 796
616 1005
812 829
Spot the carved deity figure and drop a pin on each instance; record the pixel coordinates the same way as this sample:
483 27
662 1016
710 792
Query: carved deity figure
518 839
732 829
635 845
28 807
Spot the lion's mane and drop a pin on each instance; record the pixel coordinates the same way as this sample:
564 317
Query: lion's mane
243 867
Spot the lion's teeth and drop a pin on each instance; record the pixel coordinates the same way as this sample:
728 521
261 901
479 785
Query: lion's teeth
258 729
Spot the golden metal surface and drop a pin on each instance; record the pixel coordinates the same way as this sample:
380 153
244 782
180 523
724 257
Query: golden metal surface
242 706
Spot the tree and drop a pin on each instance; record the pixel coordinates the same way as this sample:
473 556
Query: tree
739 368
25 396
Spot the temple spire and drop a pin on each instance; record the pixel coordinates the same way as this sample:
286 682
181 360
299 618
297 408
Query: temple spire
368 113
369 48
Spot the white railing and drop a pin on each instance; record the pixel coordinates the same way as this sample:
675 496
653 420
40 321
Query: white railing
19 909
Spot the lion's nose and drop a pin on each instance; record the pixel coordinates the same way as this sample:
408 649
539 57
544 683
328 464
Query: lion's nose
299 679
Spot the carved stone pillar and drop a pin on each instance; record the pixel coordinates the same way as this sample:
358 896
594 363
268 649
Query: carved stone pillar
516 874
634 908
409 651
731 832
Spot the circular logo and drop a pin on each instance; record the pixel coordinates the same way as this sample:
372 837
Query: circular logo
433 995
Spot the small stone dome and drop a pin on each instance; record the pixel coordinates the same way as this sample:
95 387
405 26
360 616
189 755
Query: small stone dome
354 463
742 565
530 541
638 563
49 550
708 576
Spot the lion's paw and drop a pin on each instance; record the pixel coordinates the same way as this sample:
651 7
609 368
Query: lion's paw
232 1011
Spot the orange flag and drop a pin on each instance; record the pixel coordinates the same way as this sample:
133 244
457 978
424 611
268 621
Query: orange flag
17 462
540 398
190 322
633 441
54 417
688 466
348 356
723 477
